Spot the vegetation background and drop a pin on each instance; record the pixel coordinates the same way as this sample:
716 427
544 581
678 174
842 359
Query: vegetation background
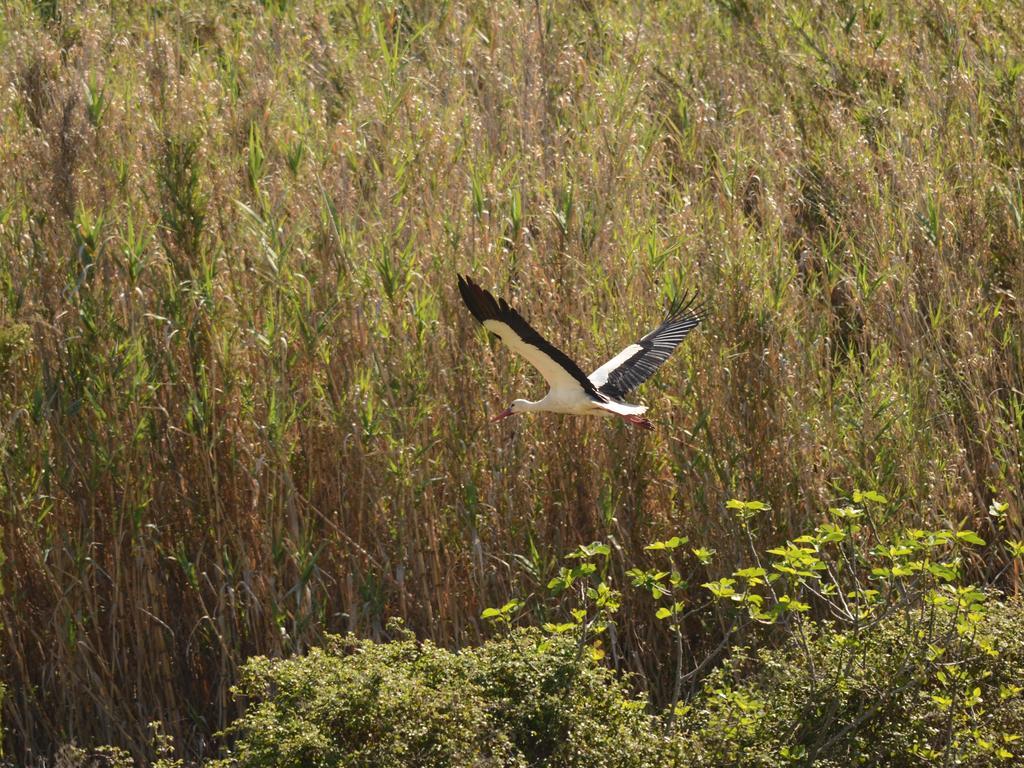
242 406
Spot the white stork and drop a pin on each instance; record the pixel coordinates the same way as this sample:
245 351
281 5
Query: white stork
571 390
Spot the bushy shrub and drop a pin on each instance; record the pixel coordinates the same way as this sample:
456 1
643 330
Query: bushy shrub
523 700
559 707
924 689
872 649
356 703
938 686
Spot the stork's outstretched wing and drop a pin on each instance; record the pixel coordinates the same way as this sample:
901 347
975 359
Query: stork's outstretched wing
637 363
499 318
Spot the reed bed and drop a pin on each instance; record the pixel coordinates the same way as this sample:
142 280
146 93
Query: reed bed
241 404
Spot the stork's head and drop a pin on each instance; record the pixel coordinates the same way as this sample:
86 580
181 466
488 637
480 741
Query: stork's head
518 406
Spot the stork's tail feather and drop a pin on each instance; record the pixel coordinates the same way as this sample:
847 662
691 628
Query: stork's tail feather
622 409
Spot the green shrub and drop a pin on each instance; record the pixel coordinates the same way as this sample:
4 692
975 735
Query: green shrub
923 689
354 703
523 700
913 666
559 707
934 686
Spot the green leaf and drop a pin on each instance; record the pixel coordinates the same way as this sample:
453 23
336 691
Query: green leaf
674 543
583 569
877 498
1008 692
794 753
830 533
703 554
944 571
508 608
585 551
558 629
971 538
751 506
558 583
665 612
847 513
790 604
753 576
721 588
745 510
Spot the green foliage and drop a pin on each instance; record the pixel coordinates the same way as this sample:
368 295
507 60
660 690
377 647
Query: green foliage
184 204
910 691
855 610
560 708
522 700
355 704
14 339
882 653
97 102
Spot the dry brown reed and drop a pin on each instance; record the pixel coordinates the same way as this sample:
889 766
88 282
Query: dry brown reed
241 404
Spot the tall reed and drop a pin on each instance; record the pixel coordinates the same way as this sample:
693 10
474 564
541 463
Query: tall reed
241 404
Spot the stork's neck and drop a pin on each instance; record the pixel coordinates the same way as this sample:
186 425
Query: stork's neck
531 405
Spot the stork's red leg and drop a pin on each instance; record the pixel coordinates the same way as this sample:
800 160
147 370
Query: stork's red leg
639 421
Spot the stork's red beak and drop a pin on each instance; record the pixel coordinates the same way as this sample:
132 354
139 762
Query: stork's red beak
503 415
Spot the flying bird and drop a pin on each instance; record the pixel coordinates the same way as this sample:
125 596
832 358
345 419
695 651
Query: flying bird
572 391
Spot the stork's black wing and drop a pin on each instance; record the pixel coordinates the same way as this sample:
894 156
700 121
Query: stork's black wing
499 318
637 363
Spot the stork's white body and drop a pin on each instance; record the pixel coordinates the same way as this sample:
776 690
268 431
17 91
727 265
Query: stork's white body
571 391
576 403
565 395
